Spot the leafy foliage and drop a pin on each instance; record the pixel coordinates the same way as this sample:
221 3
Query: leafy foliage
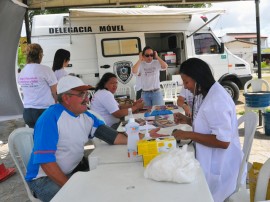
32 13
203 5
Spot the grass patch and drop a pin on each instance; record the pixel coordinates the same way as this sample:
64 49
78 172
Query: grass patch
241 113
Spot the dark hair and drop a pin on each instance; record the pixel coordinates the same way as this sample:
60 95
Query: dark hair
199 71
33 52
146 48
60 56
105 78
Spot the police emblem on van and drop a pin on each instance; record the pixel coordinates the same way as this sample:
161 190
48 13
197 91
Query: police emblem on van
122 69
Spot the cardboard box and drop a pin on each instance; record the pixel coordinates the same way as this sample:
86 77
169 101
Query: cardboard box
149 149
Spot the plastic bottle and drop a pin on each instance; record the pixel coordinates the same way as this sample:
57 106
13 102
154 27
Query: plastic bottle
130 115
132 130
146 135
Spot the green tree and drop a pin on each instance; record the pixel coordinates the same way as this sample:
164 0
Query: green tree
32 13
203 5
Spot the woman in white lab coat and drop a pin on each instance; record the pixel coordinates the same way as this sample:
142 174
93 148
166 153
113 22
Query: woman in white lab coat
215 128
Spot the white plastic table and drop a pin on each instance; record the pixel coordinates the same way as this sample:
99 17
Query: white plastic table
122 182
104 153
113 177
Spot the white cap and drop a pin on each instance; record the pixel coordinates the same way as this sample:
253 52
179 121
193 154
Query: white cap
67 83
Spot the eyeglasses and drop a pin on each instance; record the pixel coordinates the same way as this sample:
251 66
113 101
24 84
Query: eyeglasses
150 55
80 95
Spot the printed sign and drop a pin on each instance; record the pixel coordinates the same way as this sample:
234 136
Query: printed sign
223 57
122 69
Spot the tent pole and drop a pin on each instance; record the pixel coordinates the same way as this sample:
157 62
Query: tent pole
257 2
258 38
26 22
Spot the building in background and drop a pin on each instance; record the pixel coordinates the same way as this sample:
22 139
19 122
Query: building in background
242 49
244 45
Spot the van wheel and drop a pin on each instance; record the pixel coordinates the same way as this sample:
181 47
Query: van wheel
232 89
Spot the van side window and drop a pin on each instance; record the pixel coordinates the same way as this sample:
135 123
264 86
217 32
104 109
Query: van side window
205 44
121 46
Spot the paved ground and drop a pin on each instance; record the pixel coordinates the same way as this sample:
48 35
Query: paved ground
12 190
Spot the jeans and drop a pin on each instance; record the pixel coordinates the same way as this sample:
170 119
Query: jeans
31 116
152 98
45 189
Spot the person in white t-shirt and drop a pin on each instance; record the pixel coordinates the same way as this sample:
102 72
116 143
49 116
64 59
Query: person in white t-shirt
104 104
61 60
38 84
189 102
149 66
185 100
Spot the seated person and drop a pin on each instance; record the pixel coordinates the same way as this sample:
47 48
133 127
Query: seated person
189 102
59 137
104 103
185 100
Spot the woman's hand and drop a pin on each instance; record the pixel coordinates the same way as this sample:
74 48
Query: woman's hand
180 135
187 110
141 56
153 133
181 118
138 101
155 55
139 104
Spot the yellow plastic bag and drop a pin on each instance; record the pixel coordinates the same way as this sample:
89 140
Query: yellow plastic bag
253 176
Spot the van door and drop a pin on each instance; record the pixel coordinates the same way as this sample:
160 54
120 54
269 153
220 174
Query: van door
117 53
208 49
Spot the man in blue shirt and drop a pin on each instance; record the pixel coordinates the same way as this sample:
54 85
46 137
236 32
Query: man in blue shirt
59 138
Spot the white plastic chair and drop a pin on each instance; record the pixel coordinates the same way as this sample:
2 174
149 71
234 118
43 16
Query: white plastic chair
169 91
250 120
92 92
262 182
261 187
256 85
135 91
123 91
21 140
177 78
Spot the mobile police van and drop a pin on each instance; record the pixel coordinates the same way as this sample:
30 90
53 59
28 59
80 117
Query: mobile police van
109 40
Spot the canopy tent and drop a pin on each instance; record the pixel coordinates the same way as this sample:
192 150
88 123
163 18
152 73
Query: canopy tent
38 4
10 102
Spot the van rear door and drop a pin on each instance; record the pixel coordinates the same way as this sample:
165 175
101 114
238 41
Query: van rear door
117 53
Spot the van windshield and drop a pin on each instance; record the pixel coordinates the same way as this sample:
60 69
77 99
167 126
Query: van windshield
205 44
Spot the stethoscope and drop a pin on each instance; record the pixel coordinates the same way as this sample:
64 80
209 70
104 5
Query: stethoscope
197 101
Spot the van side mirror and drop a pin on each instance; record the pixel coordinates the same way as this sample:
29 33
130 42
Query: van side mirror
221 48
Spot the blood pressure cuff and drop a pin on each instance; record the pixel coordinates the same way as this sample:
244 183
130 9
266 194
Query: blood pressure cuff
106 134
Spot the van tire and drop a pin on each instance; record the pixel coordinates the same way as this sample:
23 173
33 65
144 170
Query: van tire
232 89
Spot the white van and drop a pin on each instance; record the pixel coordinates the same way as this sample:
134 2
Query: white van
109 40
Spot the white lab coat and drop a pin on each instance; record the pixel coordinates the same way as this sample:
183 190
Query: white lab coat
217 116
